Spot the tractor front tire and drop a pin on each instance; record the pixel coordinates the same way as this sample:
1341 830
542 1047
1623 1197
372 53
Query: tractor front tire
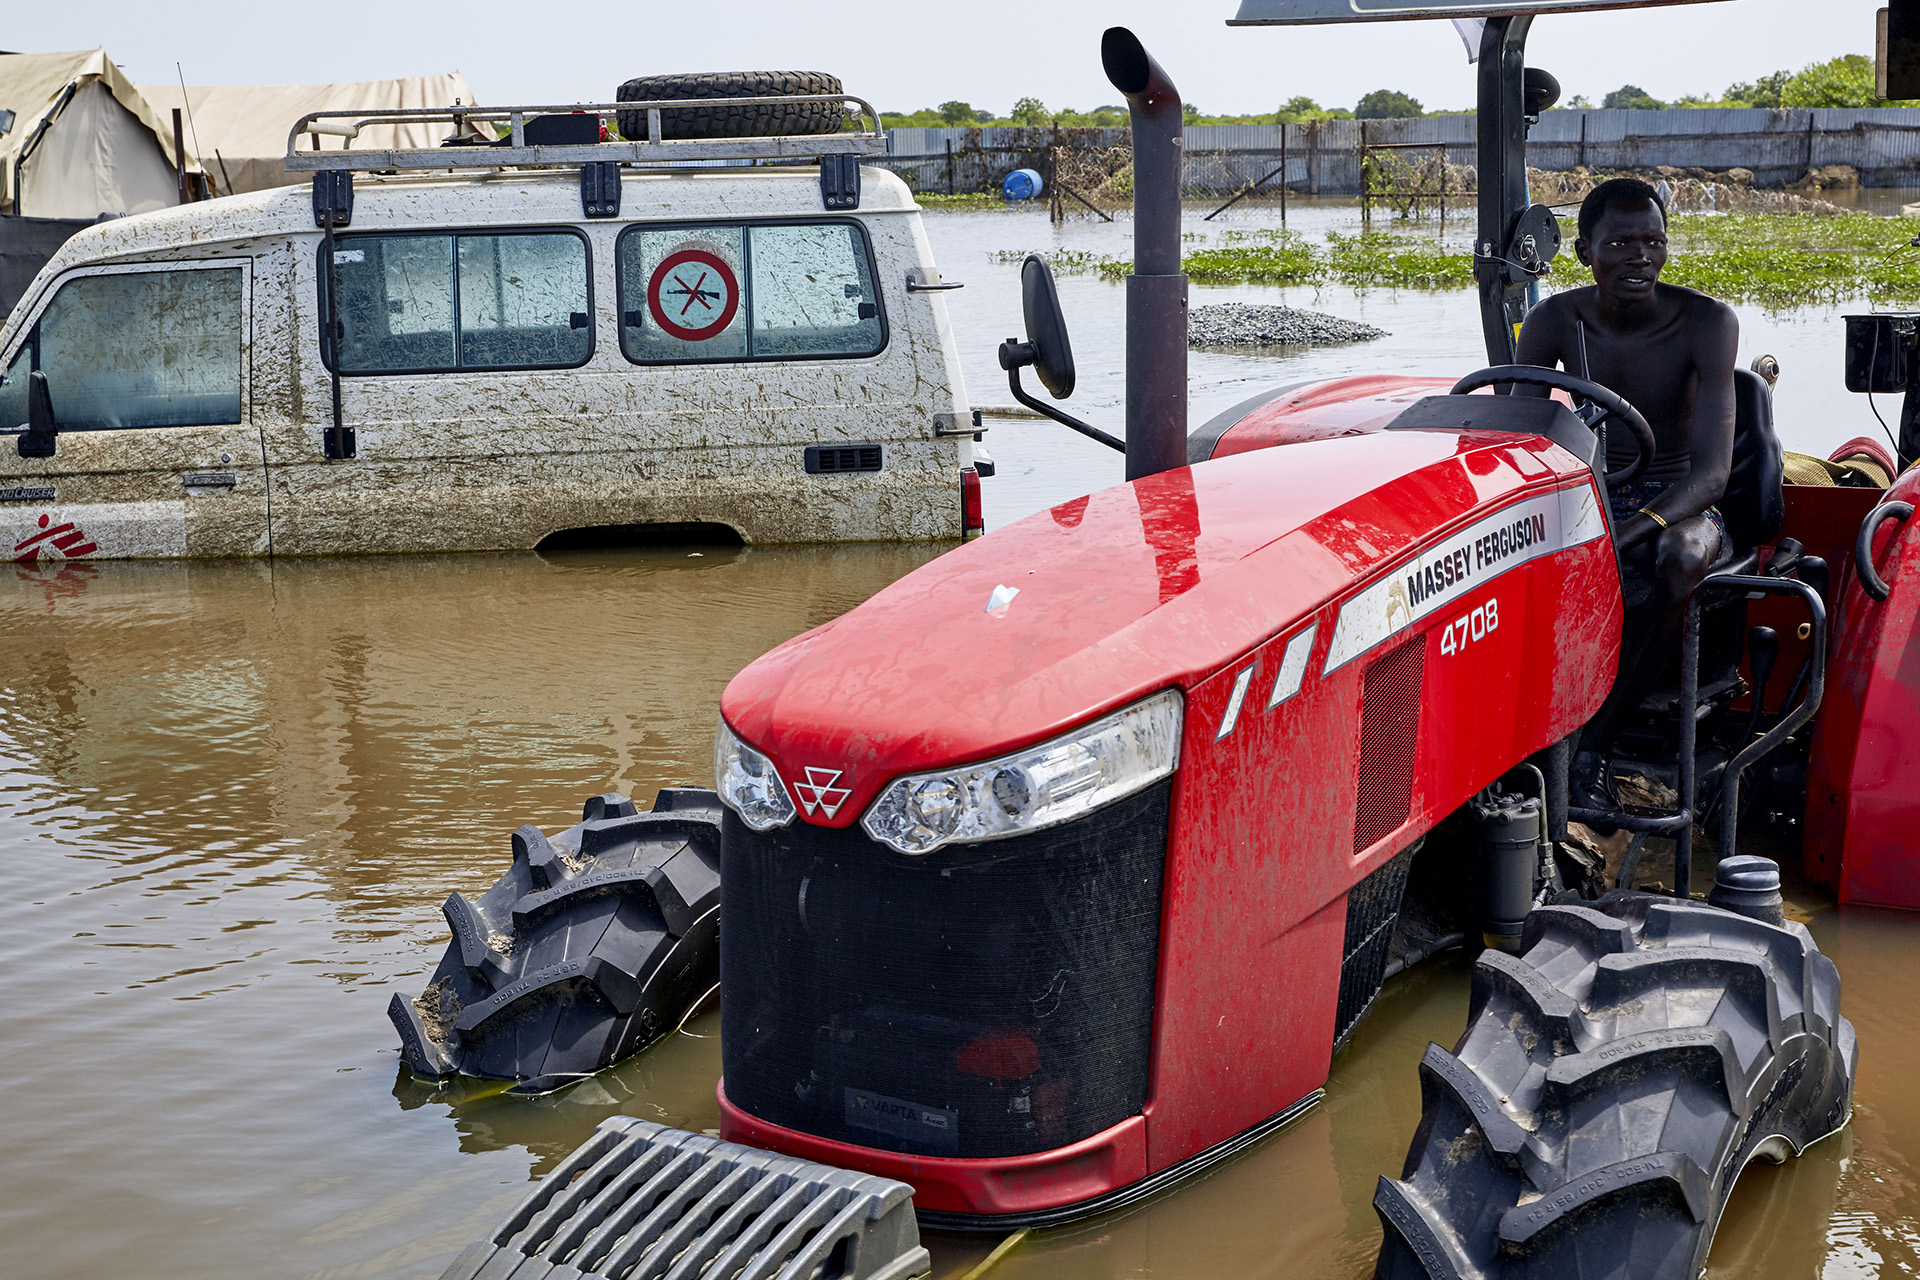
1614 1079
593 945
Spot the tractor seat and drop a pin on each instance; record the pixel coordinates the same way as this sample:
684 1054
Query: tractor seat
1753 505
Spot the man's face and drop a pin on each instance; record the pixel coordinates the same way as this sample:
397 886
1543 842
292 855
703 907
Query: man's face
1627 251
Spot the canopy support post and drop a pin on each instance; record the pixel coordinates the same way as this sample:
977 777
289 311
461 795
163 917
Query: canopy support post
1503 182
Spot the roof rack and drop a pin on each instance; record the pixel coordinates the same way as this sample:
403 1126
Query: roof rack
515 150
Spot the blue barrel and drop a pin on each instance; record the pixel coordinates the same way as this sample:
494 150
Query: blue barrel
1022 184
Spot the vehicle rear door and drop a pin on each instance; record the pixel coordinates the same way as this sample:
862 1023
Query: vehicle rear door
147 367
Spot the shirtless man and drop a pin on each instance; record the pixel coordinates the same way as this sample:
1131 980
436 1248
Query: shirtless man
1669 352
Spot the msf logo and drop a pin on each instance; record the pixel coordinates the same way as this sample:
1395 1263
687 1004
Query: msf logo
819 791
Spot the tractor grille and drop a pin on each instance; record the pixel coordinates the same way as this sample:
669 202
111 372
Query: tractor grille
1373 908
1389 739
822 458
985 1000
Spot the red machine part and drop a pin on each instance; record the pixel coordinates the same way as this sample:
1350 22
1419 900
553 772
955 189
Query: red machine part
1087 1170
1860 812
1464 582
1325 410
1825 522
1863 804
1351 406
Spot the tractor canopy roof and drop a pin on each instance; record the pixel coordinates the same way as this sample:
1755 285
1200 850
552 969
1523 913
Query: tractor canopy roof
1291 13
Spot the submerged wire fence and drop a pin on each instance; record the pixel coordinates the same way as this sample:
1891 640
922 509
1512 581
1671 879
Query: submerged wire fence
1355 157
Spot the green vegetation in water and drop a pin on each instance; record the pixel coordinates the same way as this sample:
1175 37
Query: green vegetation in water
1776 260
963 200
1371 259
1785 260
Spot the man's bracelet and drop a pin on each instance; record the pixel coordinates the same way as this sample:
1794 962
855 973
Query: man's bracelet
1654 516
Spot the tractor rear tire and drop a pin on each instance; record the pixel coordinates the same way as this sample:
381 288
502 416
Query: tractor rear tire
1614 1079
776 120
593 945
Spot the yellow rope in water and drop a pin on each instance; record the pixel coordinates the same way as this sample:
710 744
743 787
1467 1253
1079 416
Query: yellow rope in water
1000 1251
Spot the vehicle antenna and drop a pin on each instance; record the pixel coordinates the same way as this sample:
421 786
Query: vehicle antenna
187 102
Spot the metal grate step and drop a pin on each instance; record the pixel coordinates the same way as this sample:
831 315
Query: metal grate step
640 1201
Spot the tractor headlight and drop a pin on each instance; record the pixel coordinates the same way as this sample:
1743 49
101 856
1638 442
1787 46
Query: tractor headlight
1037 787
748 783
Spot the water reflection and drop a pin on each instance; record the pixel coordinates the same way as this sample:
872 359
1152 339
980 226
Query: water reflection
672 1084
236 794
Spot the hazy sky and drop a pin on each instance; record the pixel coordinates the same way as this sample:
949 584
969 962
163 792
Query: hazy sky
903 56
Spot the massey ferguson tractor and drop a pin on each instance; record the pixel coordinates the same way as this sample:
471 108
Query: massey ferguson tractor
1060 870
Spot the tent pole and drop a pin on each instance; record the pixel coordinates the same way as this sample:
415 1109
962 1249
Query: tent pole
180 155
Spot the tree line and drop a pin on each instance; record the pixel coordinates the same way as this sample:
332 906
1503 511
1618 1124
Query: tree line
1846 81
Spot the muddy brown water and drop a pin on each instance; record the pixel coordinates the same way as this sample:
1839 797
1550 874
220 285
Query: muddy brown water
232 797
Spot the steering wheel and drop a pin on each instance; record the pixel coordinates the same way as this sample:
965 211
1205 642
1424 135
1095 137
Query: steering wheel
1608 402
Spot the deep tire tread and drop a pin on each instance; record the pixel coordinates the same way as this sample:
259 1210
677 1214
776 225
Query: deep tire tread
1701 1053
1671 1177
1613 1080
594 943
794 119
1421 1242
1593 933
1443 1075
1501 979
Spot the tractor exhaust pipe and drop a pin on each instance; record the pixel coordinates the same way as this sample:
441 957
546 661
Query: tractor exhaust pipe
1156 291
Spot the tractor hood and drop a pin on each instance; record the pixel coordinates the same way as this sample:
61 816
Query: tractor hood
1085 608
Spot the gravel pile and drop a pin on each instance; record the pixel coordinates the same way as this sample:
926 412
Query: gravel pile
1241 324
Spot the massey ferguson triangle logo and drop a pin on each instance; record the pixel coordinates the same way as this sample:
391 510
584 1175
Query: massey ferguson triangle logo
818 791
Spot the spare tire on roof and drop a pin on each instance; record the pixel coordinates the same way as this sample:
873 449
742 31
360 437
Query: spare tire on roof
782 119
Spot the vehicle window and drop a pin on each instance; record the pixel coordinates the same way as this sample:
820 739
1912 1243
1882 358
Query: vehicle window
444 303
811 291
523 301
136 349
680 294
775 291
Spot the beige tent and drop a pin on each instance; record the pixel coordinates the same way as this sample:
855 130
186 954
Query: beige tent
84 141
240 130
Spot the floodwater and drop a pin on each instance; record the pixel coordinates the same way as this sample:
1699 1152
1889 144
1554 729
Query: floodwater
233 795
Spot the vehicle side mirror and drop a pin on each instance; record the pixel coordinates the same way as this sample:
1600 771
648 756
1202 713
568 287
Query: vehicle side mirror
1046 351
1046 348
1538 91
37 440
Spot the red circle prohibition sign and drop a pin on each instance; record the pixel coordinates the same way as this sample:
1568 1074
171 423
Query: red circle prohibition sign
693 295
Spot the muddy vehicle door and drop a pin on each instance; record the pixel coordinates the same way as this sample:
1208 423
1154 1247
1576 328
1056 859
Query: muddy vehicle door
142 444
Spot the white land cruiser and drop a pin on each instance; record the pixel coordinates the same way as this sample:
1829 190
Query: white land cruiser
534 340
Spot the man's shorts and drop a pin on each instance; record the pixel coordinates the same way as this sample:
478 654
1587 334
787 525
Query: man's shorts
1636 567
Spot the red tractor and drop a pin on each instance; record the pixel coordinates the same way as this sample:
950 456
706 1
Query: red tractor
1059 870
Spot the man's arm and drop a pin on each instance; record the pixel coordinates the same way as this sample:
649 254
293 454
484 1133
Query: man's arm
1713 333
1542 343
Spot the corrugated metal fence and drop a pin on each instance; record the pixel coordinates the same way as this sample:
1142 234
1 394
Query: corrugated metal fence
1778 146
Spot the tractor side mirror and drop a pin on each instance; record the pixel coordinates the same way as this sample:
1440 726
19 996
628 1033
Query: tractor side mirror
1538 91
37 440
1046 351
1046 348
